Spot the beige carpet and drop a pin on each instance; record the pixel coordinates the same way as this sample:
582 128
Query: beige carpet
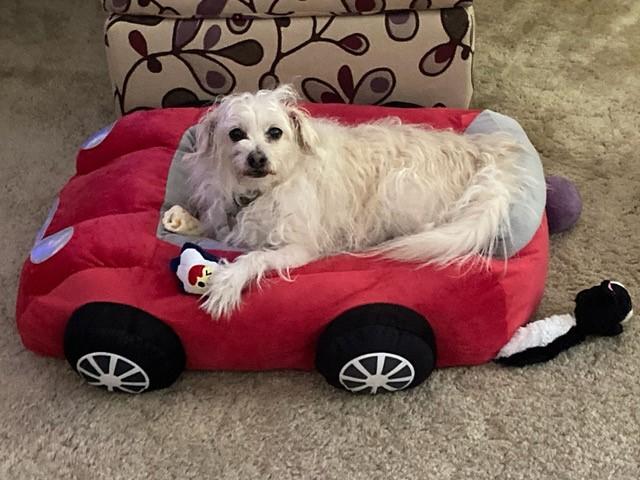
568 70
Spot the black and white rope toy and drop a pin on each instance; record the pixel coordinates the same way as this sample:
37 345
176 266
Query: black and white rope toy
600 310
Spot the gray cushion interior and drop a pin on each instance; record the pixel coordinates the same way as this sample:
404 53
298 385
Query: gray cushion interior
525 216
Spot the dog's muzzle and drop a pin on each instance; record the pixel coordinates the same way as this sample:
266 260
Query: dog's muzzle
257 162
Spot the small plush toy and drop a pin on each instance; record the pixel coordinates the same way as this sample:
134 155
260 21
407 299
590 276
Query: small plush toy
194 267
600 310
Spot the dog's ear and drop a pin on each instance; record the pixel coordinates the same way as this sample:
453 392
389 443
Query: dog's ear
306 136
204 133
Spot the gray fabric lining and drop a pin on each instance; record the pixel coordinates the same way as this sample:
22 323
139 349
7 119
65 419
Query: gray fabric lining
176 194
525 216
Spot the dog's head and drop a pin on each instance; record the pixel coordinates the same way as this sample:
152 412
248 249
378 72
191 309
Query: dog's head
258 137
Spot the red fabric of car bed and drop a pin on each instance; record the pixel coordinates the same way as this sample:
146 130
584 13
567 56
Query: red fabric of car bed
113 204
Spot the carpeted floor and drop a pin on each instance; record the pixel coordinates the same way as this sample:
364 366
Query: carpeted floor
568 70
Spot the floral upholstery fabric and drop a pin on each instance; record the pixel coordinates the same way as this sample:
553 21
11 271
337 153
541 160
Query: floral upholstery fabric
420 57
262 8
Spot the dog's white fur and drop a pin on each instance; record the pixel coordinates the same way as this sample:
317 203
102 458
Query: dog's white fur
406 191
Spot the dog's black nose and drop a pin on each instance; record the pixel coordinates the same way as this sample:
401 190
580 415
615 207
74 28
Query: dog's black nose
257 160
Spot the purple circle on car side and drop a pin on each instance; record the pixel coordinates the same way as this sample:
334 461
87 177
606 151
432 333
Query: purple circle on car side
49 246
97 137
47 221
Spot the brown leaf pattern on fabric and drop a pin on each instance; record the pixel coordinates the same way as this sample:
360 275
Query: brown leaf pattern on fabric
246 52
138 43
402 26
271 8
212 37
456 23
356 44
120 5
210 8
373 88
179 97
366 58
210 74
184 31
239 24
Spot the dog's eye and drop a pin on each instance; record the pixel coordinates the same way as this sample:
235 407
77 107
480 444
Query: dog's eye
274 133
237 134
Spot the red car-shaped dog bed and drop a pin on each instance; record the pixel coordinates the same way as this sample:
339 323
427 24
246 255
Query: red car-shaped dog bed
98 289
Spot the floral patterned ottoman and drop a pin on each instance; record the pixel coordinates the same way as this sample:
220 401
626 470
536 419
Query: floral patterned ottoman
383 52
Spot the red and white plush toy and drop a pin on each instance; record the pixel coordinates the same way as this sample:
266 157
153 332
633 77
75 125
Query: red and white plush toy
194 268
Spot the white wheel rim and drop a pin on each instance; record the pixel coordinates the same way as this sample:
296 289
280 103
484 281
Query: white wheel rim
375 371
113 372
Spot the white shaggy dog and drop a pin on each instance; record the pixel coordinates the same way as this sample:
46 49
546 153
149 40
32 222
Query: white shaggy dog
291 189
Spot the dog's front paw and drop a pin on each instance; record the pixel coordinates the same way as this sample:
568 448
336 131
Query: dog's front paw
224 291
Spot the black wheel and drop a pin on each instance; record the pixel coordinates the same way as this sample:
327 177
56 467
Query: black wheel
376 347
122 348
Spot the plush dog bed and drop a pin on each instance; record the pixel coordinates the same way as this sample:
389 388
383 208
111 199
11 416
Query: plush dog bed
102 249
